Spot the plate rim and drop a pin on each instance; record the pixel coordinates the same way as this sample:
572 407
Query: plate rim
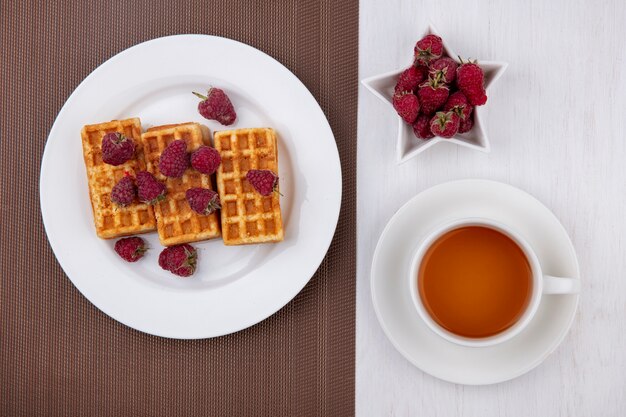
375 259
335 158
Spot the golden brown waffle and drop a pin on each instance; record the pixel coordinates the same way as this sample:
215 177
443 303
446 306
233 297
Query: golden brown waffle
176 222
247 216
113 221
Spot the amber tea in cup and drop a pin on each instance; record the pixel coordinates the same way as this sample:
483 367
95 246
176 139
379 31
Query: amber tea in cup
475 281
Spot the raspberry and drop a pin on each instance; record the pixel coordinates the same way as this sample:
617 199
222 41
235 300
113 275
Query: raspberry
407 105
179 260
471 82
432 95
202 200
457 102
217 106
410 78
117 148
421 127
263 180
428 48
206 159
149 189
174 160
131 249
467 124
444 69
124 192
445 124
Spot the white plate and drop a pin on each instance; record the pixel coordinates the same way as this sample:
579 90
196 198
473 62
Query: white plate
233 287
410 335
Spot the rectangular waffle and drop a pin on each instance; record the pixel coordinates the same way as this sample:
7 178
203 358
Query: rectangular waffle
247 216
176 222
112 221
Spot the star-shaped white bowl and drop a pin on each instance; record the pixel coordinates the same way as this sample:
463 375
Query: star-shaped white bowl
408 145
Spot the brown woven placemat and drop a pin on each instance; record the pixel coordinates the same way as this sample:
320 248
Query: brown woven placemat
59 355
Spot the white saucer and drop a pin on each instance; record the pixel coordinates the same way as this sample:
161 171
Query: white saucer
410 335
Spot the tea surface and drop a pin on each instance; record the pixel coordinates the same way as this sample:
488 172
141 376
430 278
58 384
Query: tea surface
475 281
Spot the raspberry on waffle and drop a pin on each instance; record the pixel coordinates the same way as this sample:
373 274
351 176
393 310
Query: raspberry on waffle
176 222
112 221
247 216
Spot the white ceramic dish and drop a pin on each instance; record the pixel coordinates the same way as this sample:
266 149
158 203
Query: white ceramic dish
412 336
233 287
408 145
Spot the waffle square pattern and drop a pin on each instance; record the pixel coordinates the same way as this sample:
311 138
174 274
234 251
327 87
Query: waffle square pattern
247 216
110 220
176 222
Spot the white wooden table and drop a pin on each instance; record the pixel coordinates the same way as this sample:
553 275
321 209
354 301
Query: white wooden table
557 124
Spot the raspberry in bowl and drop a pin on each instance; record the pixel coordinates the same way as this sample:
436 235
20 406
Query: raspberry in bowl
442 82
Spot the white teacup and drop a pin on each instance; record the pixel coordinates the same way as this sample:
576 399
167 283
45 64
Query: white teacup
541 283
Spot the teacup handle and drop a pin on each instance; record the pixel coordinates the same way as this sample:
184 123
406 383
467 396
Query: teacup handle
560 285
